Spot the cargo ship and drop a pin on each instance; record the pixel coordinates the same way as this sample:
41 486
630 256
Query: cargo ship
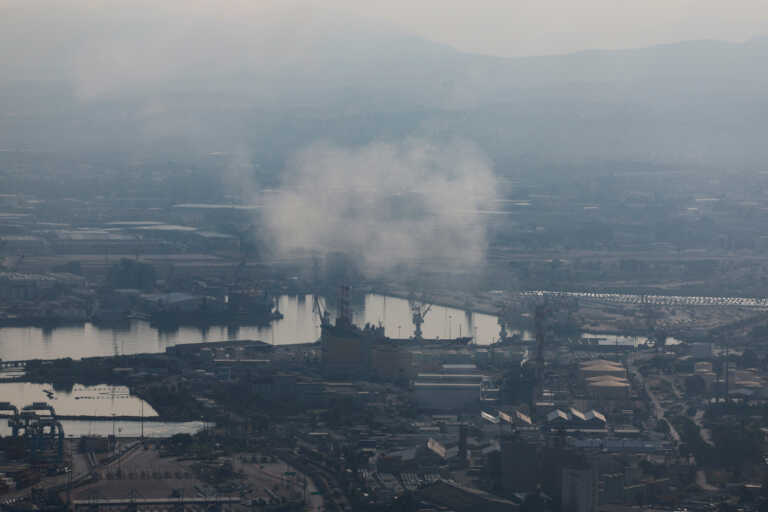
352 352
241 307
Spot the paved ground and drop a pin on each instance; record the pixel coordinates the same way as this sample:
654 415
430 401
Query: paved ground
701 481
706 435
145 474
658 409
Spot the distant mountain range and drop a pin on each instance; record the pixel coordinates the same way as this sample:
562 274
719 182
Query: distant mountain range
141 85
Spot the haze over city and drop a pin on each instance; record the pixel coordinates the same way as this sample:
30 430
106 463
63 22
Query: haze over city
396 256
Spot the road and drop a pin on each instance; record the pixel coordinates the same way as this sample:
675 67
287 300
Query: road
706 435
701 481
314 499
318 474
659 413
660 300
673 386
658 410
81 471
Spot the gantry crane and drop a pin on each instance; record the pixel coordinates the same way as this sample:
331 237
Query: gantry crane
419 311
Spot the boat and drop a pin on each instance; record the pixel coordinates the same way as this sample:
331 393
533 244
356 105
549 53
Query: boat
240 307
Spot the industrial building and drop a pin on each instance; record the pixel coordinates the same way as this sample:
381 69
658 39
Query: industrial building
391 362
602 367
456 497
606 387
574 419
346 349
579 489
447 396
19 286
517 457
516 418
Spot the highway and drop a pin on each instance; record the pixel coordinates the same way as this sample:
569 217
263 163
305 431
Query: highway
658 300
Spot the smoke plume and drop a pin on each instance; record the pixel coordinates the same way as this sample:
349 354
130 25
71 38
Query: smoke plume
385 203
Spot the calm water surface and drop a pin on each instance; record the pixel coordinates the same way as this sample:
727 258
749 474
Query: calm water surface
78 428
102 400
299 325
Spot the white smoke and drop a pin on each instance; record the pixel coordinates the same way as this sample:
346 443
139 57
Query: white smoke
385 203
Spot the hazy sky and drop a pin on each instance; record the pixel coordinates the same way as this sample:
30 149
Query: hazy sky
498 27
534 27
531 27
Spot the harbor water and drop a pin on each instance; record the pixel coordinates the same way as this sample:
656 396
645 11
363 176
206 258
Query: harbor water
298 325
101 402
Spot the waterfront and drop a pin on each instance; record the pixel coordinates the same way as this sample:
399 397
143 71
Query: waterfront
94 401
622 340
153 429
298 325
101 400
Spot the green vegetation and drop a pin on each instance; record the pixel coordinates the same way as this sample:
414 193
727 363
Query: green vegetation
692 443
131 274
734 445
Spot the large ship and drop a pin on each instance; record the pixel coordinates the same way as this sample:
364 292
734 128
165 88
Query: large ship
351 352
346 348
241 307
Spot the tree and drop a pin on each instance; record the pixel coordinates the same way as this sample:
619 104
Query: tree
737 446
517 384
695 385
71 267
749 359
131 274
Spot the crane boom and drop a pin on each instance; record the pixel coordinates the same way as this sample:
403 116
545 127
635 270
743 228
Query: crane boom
419 311
320 311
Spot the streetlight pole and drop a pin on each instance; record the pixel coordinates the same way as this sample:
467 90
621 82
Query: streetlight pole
70 469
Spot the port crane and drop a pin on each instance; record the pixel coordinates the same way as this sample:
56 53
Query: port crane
38 425
320 311
419 311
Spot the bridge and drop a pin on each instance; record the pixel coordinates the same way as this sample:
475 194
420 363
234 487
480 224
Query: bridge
217 502
659 300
